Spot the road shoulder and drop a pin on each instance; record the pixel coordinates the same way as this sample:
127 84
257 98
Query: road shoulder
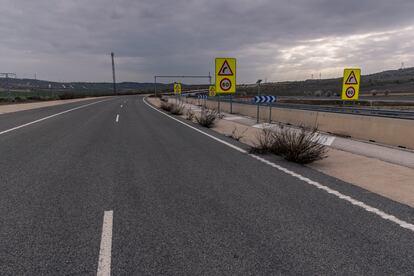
9 108
386 179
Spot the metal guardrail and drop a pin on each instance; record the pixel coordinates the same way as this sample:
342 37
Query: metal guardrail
397 114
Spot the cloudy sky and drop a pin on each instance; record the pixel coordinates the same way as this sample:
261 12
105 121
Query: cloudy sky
70 40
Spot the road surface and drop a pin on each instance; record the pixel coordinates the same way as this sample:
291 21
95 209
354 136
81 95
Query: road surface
118 187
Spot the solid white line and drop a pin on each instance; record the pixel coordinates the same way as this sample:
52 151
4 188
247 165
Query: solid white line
104 263
339 195
48 117
117 118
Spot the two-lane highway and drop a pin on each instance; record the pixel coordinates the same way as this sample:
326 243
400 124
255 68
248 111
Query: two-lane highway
119 187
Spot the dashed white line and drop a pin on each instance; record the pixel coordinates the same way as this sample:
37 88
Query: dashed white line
48 117
117 118
121 105
105 252
333 192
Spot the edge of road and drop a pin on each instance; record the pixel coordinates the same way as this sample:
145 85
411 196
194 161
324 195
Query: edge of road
357 163
55 114
340 189
11 108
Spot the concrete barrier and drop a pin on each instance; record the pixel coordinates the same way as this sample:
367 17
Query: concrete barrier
390 131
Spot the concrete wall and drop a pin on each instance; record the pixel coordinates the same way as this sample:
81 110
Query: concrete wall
395 132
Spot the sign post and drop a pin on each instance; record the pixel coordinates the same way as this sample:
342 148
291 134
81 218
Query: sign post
264 99
351 84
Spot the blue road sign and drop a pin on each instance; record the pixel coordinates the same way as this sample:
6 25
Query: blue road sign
202 96
264 99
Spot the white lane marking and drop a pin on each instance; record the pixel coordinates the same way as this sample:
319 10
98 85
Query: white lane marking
121 105
196 129
48 117
117 118
339 195
104 263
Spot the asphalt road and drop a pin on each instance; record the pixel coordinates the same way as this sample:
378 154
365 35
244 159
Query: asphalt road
182 203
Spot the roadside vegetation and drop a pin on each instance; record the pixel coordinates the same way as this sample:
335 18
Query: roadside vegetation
189 115
207 118
173 108
301 146
236 134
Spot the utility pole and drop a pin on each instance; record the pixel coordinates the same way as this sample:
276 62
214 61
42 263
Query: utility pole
113 72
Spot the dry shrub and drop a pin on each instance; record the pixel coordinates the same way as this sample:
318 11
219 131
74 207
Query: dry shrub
264 141
301 146
189 115
177 109
166 106
236 135
207 118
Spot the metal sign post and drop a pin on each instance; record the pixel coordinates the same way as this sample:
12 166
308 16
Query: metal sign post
218 104
258 103
265 99
270 113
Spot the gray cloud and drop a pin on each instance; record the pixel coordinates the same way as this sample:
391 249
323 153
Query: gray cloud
71 39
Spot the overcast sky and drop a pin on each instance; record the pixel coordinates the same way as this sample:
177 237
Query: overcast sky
70 40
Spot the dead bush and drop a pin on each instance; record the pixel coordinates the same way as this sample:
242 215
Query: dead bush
189 115
207 118
236 134
177 109
166 106
264 141
301 146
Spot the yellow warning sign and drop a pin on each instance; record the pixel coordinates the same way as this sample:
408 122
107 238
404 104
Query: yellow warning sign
177 88
212 91
350 85
225 75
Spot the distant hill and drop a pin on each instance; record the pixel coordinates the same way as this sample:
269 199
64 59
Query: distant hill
391 81
32 84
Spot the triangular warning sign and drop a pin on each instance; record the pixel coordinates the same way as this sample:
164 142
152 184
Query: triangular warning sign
351 79
225 70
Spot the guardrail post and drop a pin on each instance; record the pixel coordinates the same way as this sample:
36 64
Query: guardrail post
231 104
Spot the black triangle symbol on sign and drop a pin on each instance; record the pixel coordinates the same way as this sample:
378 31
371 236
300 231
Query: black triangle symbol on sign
225 70
351 79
